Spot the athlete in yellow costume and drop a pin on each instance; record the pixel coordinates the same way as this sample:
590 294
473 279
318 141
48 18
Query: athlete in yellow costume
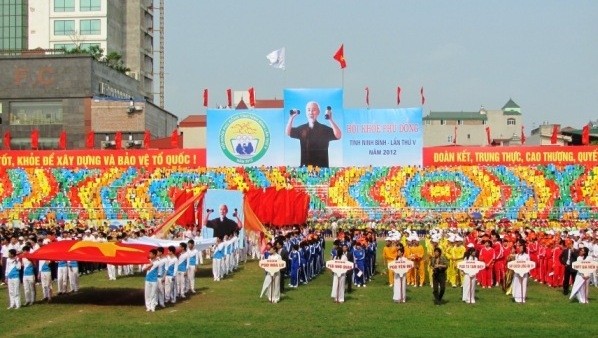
415 253
431 244
456 255
390 255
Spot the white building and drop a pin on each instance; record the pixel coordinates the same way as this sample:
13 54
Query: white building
504 125
125 27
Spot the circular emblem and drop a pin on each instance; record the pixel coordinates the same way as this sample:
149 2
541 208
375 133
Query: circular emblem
244 138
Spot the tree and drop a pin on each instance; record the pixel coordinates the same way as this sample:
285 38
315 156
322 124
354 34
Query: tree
112 60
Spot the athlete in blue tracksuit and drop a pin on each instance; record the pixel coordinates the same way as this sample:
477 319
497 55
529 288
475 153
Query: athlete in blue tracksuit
295 259
359 257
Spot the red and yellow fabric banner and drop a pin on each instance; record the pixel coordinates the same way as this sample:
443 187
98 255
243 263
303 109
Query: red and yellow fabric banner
250 220
165 227
88 251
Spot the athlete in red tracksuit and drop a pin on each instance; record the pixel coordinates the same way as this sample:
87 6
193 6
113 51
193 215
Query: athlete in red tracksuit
487 256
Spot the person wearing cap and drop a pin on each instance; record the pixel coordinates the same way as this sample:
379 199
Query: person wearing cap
389 253
13 268
469 282
455 255
415 252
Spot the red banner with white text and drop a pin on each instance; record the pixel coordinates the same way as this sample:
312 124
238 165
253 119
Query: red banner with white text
148 158
524 155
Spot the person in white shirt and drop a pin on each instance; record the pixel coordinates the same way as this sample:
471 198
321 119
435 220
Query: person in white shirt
580 285
151 282
217 257
170 290
519 286
13 268
4 257
28 277
45 276
161 262
192 253
181 274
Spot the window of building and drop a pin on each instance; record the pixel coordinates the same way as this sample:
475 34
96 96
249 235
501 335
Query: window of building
442 122
13 25
468 136
427 122
450 139
36 113
65 46
484 122
510 121
90 27
460 122
64 27
64 5
91 5
86 46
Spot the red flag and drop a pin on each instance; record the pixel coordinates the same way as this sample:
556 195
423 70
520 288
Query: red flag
585 135
118 140
229 97
488 135
555 134
340 56
7 140
90 140
205 97
147 137
88 251
174 138
35 139
398 96
455 137
421 92
251 97
62 140
522 135
367 96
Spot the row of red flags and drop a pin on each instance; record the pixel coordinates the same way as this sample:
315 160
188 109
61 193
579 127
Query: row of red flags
585 135
251 91
90 139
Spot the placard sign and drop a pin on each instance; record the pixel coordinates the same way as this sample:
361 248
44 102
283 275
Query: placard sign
339 267
401 266
272 266
521 267
471 268
586 268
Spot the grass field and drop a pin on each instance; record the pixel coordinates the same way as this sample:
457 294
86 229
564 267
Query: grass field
231 307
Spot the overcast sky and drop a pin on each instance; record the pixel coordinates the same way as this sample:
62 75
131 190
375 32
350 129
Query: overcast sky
543 54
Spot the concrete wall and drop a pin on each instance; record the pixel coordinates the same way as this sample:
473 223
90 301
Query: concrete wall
194 137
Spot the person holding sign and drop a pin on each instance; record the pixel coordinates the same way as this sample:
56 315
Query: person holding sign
519 286
400 281
339 276
390 254
469 278
313 136
582 281
439 264
271 285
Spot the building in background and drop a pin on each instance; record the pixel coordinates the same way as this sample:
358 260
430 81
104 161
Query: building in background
440 128
75 93
544 135
124 27
13 24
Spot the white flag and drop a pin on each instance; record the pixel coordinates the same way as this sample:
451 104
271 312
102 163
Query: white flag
276 58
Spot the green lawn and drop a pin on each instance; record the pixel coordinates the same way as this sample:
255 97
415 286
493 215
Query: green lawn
231 307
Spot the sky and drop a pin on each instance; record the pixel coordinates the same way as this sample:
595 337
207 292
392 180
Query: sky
466 54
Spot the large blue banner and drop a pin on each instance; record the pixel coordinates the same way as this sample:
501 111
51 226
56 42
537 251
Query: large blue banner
314 129
383 137
244 137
